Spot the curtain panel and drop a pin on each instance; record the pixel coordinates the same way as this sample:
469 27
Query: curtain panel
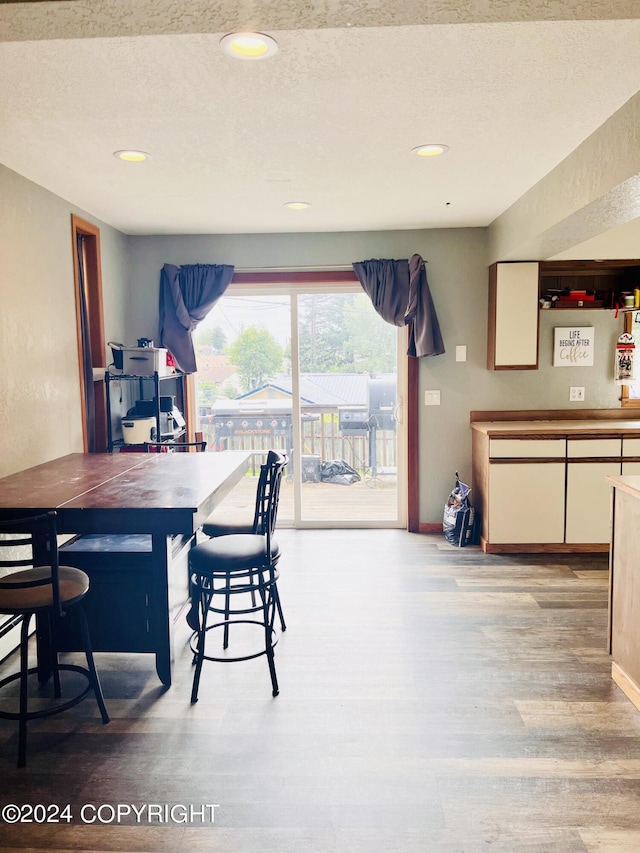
187 294
400 294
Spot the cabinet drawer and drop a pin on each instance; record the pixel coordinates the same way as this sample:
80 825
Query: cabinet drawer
631 446
594 447
522 448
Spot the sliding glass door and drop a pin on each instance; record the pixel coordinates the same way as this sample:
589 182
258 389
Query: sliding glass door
314 373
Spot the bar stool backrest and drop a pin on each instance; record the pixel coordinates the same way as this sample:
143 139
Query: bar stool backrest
268 495
36 532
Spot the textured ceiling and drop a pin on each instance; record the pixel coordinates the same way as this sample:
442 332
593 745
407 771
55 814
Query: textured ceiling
93 18
330 119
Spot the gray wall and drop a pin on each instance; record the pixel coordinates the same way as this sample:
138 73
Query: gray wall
457 272
39 384
39 392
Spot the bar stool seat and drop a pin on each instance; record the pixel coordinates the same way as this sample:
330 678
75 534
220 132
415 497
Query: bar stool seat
74 585
231 553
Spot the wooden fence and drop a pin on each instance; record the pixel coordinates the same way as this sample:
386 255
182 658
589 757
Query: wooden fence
321 437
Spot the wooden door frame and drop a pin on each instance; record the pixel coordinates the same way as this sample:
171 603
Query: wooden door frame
93 281
413 374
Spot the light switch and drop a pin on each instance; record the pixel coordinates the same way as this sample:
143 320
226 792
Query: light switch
461 353
432 398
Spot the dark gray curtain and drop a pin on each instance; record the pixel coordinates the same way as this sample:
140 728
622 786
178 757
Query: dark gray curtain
400 294
87 361
187 294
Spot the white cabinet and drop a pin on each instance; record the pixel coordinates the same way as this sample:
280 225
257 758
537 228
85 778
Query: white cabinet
513 316
527 503
589 462
526 498
538 489
589 501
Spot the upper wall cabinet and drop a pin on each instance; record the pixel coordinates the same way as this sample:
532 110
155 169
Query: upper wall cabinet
513 316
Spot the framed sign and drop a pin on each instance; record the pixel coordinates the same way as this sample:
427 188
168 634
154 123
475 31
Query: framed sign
573 347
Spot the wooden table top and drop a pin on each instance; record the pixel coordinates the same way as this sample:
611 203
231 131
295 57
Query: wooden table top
51 484
80 485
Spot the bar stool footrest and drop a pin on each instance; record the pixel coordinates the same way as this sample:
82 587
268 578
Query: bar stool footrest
193 642
56 709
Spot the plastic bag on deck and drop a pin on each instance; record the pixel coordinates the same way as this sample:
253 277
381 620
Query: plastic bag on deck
338 472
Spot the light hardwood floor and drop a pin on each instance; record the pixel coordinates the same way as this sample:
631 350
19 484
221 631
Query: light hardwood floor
431 699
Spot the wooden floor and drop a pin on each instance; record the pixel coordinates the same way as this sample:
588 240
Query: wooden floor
432 699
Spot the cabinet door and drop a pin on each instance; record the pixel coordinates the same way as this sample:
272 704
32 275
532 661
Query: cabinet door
526 502
513 317
589 501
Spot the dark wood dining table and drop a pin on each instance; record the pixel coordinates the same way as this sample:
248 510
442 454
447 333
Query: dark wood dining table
164 495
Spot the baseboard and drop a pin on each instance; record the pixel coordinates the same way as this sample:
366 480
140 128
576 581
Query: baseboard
626 684
543 548
429 527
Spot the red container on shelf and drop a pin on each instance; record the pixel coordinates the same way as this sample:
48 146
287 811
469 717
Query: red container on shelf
581 295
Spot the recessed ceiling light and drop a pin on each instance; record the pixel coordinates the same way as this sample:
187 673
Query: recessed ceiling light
131 156
248 45
297 205
431 150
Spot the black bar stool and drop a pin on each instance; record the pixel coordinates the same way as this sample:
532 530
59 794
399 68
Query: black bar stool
239 564
218 524
50 592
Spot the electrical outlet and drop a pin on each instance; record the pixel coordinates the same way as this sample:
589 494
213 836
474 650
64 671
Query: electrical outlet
576 395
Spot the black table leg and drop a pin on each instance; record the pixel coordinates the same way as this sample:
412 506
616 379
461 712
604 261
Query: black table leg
161 618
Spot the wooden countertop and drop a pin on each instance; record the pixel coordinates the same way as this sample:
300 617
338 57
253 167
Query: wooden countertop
558 427
628 483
